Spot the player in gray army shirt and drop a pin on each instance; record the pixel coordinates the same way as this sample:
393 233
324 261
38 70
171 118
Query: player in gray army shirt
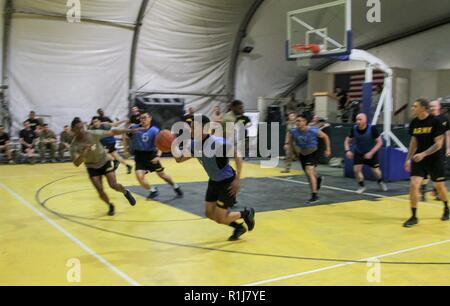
86 148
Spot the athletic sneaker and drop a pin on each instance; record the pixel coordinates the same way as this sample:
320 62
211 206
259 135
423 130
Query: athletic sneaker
446 215
361 190
112 210
249 218
238 232
320 180
129 197
383 186
129 169
313 200
153 194
286 171
438 197
179 192
411 222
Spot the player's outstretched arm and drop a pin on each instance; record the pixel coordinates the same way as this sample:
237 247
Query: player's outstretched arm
327 143
117 132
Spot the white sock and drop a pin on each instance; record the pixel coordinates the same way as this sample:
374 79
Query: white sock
175 186
153 189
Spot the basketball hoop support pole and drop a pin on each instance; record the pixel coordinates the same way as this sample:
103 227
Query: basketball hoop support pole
386 99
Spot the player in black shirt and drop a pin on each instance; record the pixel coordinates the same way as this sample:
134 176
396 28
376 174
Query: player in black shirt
436 110
425 157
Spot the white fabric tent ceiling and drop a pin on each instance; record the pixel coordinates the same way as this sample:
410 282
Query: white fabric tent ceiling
63 70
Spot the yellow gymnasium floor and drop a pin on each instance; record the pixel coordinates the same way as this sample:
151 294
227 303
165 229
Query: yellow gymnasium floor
54 232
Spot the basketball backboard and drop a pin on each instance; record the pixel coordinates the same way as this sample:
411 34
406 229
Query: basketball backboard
322 30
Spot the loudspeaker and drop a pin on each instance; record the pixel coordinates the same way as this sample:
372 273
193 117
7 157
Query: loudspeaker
274 114
165 112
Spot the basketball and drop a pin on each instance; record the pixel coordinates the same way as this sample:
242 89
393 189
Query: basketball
164 141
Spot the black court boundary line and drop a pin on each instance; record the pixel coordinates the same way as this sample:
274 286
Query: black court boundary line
192 246
107 220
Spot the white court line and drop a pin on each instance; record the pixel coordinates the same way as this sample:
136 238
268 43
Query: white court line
272 280
352 191
116 270
347 263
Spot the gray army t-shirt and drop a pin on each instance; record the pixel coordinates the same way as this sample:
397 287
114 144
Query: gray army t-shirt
96 157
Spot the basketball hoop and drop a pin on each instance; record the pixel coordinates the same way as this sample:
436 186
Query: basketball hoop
311 48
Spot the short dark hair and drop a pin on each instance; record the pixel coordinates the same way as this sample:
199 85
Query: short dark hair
95 118
204 119
26 121
236 103
424 102
147 113
44 125
75 121
66 126
303 116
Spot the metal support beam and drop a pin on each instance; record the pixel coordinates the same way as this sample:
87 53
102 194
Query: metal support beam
242 33
134 46
197 94
114 23
4 107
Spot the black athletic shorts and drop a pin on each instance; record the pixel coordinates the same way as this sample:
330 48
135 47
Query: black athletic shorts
360 160
219 192
433 167
308 160
107 168
111 147
144 162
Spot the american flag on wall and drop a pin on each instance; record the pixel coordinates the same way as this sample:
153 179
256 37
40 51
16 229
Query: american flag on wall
356 84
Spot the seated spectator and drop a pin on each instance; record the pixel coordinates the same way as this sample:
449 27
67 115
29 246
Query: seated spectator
35 123
236 110
319 123
135 115
216 120
189 117
102 117
28 140
5 145
65 140
47 142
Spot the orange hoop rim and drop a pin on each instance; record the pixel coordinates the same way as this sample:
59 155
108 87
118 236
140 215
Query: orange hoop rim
313 48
